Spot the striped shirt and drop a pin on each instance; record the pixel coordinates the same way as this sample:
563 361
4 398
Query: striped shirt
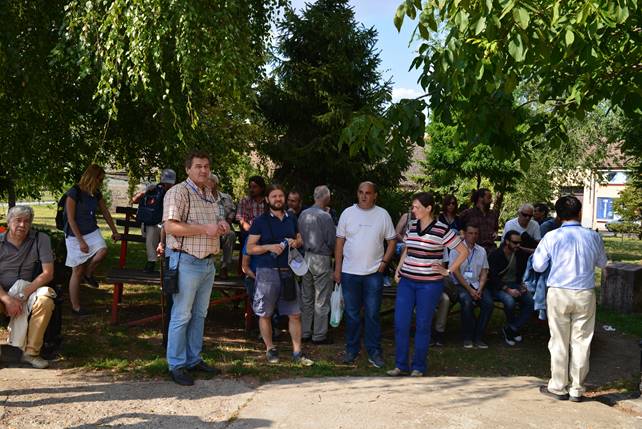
186 202
423 248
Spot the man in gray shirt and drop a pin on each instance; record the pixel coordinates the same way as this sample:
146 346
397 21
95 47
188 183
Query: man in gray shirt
319 235
26 255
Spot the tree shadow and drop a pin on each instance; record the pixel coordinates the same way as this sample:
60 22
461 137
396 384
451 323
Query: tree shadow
145 420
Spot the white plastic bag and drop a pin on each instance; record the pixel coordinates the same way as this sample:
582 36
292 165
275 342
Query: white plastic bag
336 306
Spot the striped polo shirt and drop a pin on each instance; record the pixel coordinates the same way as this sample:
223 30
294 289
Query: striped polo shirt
423 248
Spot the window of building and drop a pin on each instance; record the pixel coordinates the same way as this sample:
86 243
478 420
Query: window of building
604 209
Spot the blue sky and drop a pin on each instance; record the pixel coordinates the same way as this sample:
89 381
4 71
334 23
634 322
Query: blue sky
395 53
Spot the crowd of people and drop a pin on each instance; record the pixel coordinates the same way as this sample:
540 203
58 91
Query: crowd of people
293 255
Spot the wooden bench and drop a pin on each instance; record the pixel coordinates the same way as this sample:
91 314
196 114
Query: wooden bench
233 290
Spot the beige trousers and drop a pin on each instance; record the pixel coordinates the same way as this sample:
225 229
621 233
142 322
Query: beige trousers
40 315
571 320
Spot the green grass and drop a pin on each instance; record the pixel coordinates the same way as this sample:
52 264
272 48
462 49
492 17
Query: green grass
92 343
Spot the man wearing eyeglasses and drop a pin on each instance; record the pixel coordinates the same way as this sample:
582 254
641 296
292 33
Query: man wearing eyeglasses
506 269
526 227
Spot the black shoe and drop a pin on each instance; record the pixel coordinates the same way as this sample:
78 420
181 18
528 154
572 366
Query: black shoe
326 340
508 336
437 339
81 312
182 377
576 398
91 281
306 339
544 391
203 367
150 267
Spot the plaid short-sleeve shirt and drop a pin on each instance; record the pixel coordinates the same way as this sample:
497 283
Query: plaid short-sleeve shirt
186 202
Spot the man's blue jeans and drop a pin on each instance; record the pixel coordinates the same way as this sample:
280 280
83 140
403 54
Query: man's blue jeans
423 298
190 304
362 291
474 330
515 322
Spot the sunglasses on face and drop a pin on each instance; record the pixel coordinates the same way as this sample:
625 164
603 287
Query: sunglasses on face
526 214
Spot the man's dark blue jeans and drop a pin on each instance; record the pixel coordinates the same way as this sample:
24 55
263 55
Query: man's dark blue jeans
515 322
362 291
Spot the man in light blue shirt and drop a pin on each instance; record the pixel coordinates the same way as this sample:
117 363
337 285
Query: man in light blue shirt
573 253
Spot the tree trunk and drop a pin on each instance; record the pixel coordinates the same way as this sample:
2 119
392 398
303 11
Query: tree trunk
11 193
499 201
478 180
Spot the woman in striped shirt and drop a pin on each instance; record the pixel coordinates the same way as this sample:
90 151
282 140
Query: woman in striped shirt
419 277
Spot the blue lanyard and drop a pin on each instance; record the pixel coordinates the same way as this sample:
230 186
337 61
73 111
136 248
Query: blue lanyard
470 258
199 195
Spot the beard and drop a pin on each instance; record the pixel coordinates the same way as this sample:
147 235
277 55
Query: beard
276 207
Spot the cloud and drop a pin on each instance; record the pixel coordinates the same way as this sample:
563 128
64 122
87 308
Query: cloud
399 93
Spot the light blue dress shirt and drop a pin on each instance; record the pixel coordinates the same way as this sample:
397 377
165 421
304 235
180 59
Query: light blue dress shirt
573 252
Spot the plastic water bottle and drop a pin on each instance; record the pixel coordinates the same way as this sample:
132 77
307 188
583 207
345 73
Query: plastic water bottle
283 245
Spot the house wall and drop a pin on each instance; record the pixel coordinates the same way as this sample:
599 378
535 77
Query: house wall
600 191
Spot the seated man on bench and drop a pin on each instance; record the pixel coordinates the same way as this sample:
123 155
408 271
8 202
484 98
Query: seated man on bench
26 266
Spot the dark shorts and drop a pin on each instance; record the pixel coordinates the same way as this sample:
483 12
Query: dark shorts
267 294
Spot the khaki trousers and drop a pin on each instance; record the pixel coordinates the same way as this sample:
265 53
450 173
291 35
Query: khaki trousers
316 290
40 315
571 320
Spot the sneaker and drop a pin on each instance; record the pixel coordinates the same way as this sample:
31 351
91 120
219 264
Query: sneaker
272 355
508 336
91 281
350 358
518 337
299 359
437 339
376 361
416 373
34 361
396 372
181 376
150 267
468 344
81 312
387 281
481 345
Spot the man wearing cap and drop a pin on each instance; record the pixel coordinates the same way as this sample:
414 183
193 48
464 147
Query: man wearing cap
271 236
152 233
227 211
319 236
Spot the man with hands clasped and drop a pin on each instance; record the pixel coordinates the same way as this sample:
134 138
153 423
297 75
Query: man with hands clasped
193 227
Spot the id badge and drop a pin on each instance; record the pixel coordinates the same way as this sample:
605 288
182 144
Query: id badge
468 275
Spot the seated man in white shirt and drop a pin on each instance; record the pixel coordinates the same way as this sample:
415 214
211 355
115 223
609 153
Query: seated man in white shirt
526 227
471 279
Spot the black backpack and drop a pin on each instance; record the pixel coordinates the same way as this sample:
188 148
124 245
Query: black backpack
60 209
150 207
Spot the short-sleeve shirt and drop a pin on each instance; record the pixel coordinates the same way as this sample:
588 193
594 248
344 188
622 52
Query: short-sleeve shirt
186 202
424 248
273 230
12 257
474 263
532 228
318 231
86 208
488 224
364 232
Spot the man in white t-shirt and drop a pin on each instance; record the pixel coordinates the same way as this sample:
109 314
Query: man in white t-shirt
526 227
359 265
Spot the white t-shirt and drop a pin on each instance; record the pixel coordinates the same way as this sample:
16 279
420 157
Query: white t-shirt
364 232
532 228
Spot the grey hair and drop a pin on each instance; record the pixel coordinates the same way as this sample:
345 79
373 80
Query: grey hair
321 191
20 211
524 206
214 178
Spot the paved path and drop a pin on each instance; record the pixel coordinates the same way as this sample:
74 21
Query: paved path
53 399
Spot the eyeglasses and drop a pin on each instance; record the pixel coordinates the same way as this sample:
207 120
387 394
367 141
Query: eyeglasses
526 214
516 243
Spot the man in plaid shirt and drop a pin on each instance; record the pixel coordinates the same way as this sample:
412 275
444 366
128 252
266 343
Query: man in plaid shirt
194 227
252 206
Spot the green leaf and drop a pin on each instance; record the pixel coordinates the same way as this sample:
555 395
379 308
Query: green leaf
516 48
423 32
622 14
569 37
410 9
480 72
489 5
480 25
556 13
521 17
399 16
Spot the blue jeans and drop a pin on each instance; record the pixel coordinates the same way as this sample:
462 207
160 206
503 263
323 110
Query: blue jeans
423 297
189 308
515 322
362 291
474 331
